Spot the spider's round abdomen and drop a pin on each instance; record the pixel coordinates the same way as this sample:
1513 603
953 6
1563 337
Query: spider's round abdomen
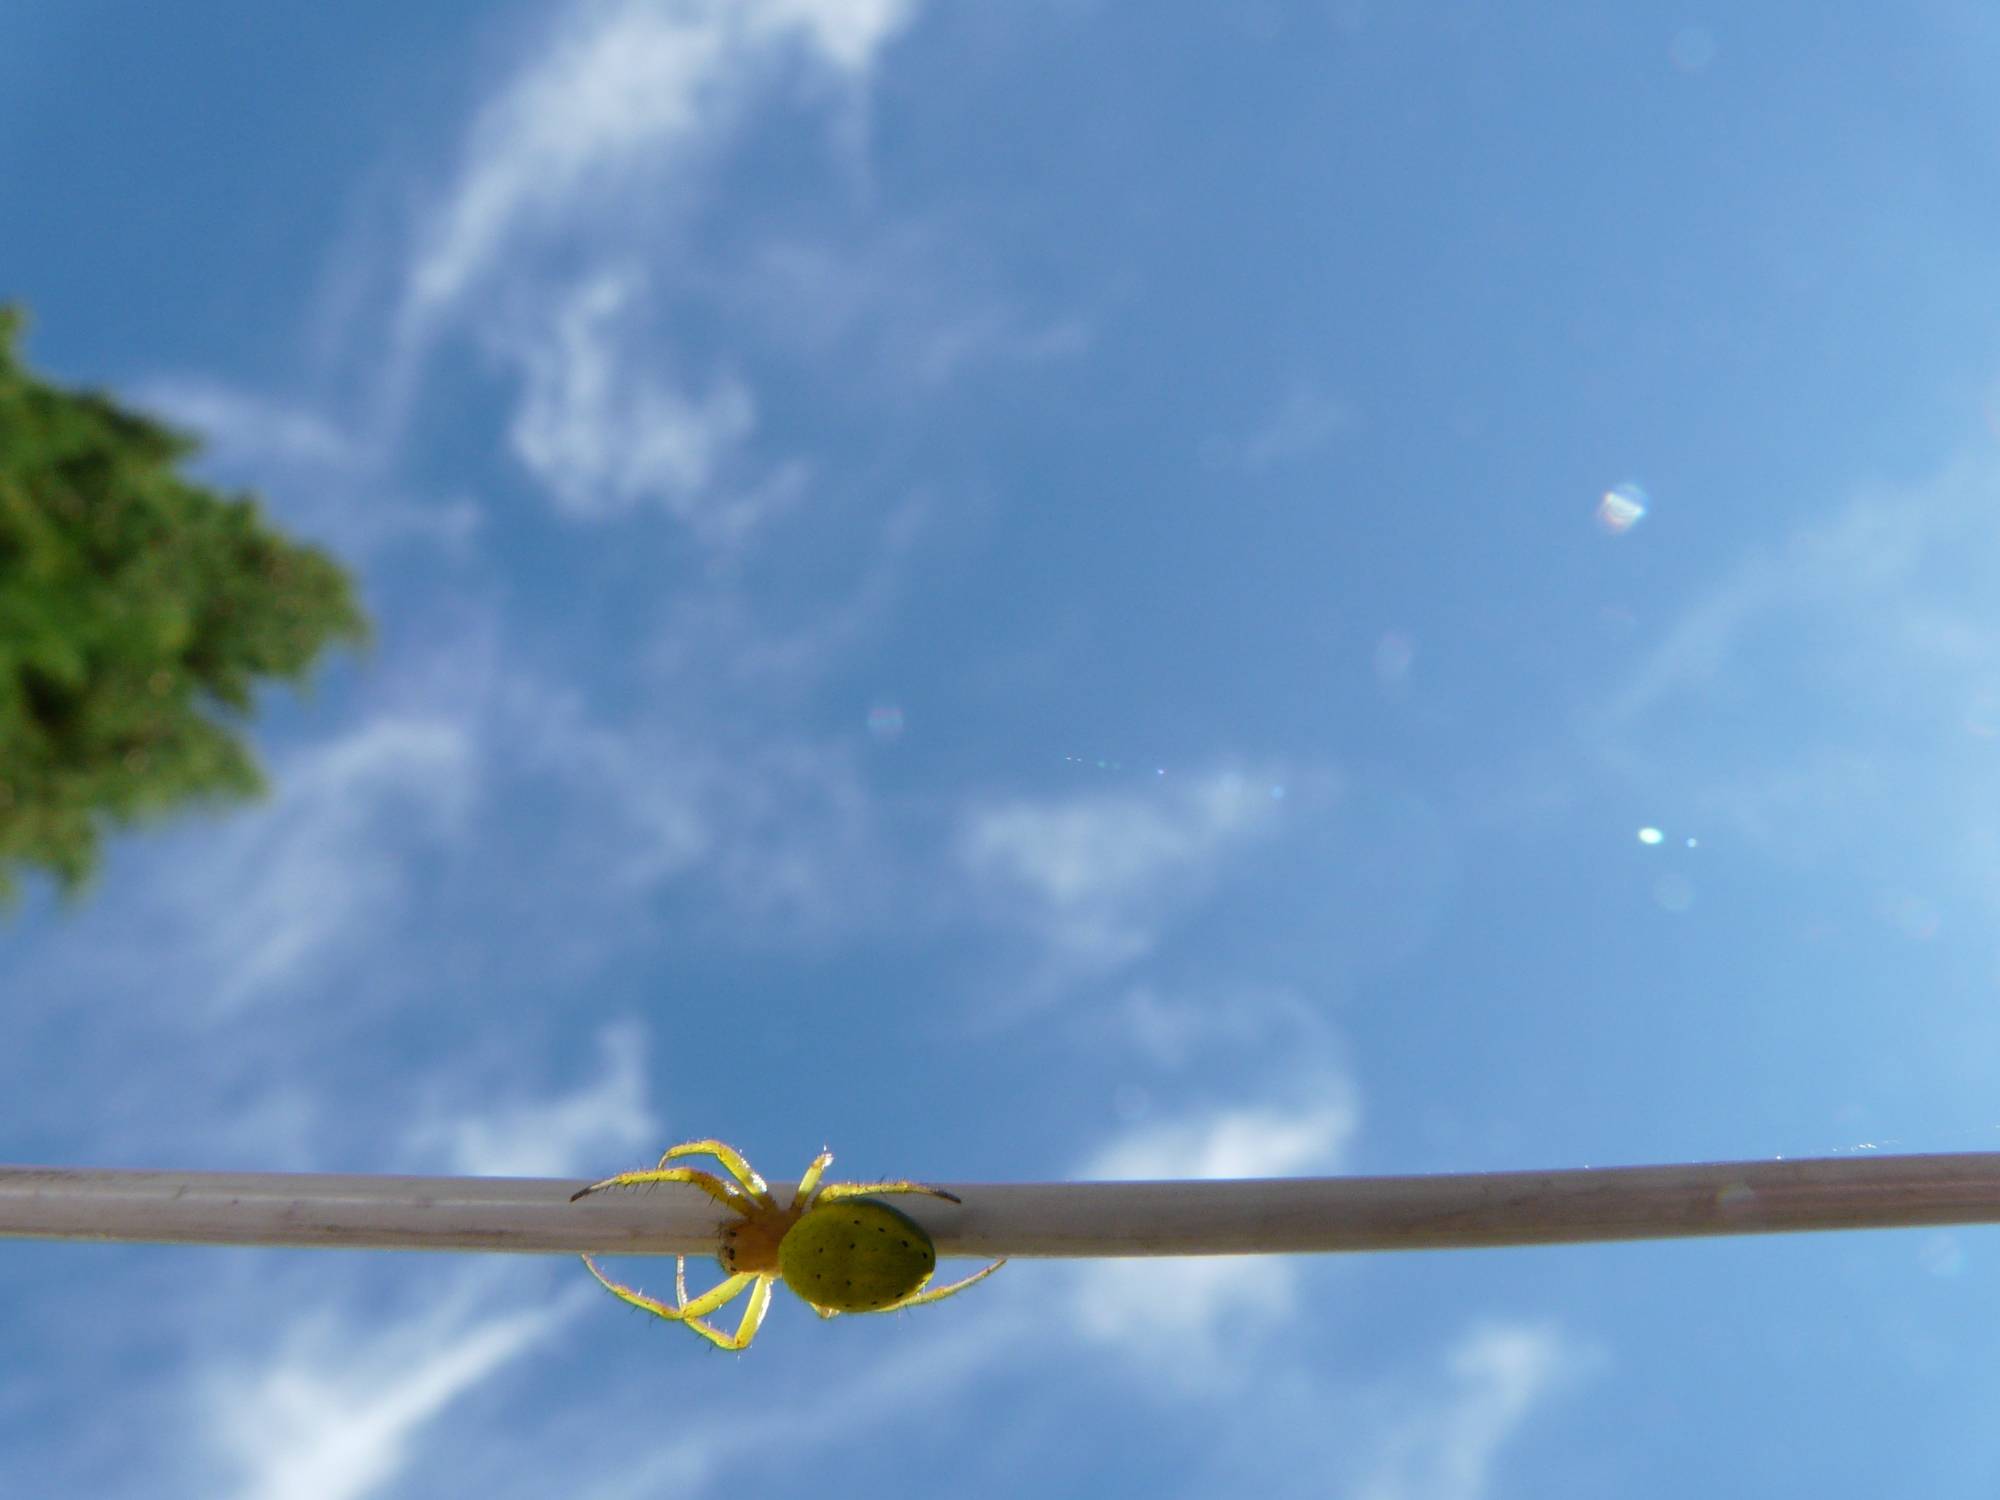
856 1255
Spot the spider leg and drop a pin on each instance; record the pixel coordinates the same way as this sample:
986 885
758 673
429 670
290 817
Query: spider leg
835 1190
809 1188
753 1319
688 1312
733 1162
917 1299
753 1314
708 1182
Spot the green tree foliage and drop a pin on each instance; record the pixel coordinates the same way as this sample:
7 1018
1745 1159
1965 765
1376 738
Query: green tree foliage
137 613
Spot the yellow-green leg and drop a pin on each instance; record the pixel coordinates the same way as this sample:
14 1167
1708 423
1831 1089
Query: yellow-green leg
753 1318
708 1182
733 1162
753 1315
688 1312
938 1294
808 1188
834 1190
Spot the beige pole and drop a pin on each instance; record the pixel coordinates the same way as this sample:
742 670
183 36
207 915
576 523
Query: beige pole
1268 1216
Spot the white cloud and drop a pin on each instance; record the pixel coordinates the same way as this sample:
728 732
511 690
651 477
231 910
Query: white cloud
600 428
598 136
848 32
625 82
1175 1031
279 887
602 1120
895 305
905 1384
1445 1447
313 472
1179 1319
1307 420
599 141
781 834
1100 873
625 89
241 427
1247 1142
334 1416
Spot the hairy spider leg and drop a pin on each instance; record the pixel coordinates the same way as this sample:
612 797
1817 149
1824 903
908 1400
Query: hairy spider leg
733 1162
753 1315
753 1319
808 1190
937 1294
708 1182
810 1194
690 1312
834 1190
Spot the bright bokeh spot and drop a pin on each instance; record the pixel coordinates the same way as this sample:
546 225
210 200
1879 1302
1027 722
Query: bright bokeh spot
1621 508
1650 835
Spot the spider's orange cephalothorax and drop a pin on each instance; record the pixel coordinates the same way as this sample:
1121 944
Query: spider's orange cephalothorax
751 1244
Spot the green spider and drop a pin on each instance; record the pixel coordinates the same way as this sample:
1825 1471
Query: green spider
836 1247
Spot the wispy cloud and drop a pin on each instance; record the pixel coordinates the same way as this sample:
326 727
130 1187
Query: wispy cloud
247 428
600 1121
334 1415
1252 1141
1099 874
604 431
1174 1031
318 473
866 1399
1447 1445
618 88
1179 1319
1305 421
617 104
324 860
899 304
781 834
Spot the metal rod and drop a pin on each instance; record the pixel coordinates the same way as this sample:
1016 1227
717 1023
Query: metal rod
1243 1217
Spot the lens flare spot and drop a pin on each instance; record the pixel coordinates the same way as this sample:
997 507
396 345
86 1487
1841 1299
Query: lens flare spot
1650 835
1621 507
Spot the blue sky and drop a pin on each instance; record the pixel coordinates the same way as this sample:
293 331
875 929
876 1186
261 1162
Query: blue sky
1023 591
